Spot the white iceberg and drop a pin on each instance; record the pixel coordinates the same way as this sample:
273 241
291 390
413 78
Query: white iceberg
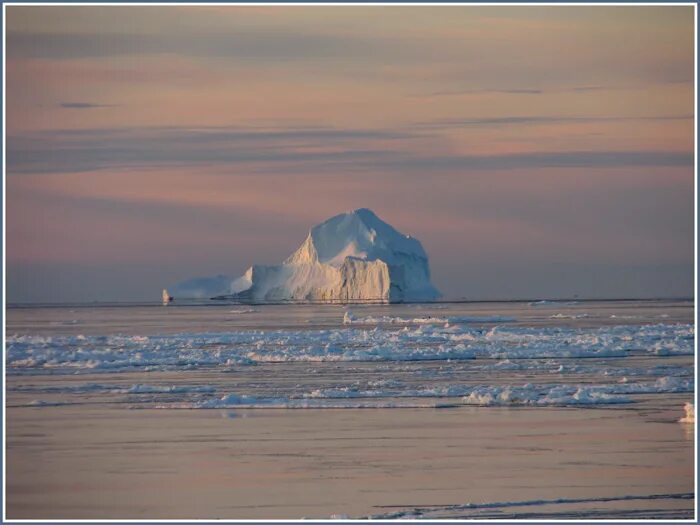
353 256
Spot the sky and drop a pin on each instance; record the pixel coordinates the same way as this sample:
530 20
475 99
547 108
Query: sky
536 152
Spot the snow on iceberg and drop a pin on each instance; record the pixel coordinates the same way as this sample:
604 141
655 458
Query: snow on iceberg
353 256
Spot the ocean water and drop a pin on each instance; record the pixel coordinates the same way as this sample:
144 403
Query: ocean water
204 356
509 410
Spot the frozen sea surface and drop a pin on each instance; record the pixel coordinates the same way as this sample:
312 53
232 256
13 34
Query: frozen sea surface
536 354
633 360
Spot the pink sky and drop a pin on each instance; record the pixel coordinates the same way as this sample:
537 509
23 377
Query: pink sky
536 152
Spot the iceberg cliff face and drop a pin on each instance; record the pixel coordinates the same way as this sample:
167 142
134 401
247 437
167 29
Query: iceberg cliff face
350 257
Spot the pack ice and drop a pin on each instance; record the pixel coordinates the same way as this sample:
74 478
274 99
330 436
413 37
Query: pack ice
353 256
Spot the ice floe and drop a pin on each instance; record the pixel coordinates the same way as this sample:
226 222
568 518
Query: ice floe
465 511
44 354
349 318
689 414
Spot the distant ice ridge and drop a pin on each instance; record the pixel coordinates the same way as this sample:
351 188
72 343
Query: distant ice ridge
349 318
574 394
437 388
112 389
480 395
528 394
44 354
568 316
353 256
545 302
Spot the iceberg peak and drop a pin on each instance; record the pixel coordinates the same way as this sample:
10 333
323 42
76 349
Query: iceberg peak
360 234
353 256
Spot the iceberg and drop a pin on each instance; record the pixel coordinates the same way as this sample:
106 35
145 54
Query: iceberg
353 256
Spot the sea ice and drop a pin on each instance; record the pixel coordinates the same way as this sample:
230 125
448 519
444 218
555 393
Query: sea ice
689 414
381 343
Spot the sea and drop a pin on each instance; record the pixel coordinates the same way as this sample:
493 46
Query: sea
632 355
295 356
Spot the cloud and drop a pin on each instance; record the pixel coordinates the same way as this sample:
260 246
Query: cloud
526 120
580 89
93 149
524 91
272 44
541 91
542 159
514 91
311 150
84 105
508 54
